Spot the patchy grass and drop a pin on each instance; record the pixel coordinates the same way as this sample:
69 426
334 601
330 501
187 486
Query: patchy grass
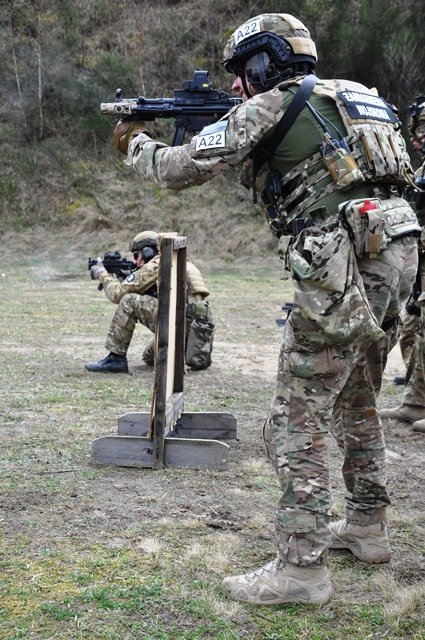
91 552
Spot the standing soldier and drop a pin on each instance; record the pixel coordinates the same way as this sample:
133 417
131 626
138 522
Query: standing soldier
330 172
137 300
412 338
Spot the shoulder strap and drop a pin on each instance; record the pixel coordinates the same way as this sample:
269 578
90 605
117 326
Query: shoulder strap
264 151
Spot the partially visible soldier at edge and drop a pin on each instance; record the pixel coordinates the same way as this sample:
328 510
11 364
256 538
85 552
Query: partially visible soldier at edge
137 300
412 337
346 238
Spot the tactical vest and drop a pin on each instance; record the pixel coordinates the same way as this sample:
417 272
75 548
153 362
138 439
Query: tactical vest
375 144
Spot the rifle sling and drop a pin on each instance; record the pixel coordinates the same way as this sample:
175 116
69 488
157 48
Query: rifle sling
264 151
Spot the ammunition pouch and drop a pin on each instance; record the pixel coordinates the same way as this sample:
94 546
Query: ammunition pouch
198 311
199 335
373 224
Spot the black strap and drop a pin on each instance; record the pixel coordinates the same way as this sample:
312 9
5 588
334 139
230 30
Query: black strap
264 151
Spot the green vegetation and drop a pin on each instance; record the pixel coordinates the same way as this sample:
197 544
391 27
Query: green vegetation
61 59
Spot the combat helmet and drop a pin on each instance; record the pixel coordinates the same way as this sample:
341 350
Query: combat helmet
145 243
269 48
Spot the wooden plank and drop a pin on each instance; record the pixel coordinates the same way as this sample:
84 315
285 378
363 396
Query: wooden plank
174 409
172 317
196 454
207 426
180 326
204 425
123 451
162 331
128 451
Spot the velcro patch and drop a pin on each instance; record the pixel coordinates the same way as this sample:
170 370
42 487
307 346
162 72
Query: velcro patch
247 29
366 106
213 136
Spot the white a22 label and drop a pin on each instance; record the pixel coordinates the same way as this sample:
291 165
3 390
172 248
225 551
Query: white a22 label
247 30
213 136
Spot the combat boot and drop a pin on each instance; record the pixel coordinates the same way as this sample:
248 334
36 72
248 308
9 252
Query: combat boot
113 363
368 543
419 425
399 379
279 583
405 412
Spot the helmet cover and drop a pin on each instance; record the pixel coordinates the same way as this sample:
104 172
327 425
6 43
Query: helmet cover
143 239
281 35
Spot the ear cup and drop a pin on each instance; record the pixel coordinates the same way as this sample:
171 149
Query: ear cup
261 69
148 253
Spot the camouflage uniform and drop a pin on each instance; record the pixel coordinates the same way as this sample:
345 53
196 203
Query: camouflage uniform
412 337
137 301
333 340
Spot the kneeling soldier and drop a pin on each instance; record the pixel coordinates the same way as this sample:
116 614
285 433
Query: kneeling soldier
137 300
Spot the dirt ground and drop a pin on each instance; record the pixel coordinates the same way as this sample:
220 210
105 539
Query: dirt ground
54 498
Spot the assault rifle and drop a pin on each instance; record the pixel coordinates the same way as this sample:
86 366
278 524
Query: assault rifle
193 107
114 263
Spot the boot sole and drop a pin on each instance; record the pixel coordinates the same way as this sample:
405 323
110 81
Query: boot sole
315 601
401 418
377 559
107 370
319 595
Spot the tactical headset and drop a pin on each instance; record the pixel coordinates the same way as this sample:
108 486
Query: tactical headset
148 252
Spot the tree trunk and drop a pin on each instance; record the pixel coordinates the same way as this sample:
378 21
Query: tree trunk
16 68
40 85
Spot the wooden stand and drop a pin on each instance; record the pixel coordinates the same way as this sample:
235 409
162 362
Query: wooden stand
167 436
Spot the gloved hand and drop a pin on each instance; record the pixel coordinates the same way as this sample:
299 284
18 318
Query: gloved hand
125 131
96 269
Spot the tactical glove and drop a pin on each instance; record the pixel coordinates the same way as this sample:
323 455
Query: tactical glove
96 269
125 131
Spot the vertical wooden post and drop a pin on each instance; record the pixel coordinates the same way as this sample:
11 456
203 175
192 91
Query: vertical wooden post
170 340
179 361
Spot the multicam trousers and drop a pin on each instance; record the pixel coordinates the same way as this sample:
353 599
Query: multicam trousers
132 307
334 388
412 345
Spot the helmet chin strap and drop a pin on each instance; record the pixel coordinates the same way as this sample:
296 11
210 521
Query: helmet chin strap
245 85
